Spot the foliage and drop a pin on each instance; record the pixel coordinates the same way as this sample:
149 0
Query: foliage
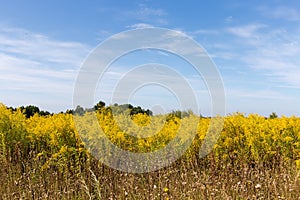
273 115
31 110
49 148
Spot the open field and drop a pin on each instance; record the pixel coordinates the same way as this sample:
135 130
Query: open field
42 157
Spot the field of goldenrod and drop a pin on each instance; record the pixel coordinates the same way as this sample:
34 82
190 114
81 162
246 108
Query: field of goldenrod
45 157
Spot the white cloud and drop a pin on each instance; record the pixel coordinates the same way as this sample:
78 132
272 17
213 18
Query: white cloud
32 63
281 12
147 14
268 56
246 31
279 60
140 25
229 19
39 47
273 52
256 93
147 11
204 32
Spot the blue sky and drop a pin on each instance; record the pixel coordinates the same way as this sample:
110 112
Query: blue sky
255 46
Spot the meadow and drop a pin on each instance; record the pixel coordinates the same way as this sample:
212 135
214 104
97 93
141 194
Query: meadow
44 157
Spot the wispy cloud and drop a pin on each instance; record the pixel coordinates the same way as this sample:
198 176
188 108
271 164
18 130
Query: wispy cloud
140 25
259 63
35 63
39 47
266 94
229 19
200 32
147 14
281 12
272 52
246 31
144 10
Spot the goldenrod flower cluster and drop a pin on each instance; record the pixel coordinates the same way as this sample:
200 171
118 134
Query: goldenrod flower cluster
57 140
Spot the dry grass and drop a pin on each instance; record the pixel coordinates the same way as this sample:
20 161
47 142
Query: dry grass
185 179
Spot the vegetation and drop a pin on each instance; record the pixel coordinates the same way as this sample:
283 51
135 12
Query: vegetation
30 110
43 157
116 109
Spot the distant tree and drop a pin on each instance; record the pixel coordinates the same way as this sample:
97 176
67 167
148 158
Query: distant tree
44 113
70 111
79 110
123 108
99 105
273 115
138 109
11 108
149 112
130 109
181 114
30 110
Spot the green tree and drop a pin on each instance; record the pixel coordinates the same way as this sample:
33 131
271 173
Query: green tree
79 110
273 115
30 110
99 105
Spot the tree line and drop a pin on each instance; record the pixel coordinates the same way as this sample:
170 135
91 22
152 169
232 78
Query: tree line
31 110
